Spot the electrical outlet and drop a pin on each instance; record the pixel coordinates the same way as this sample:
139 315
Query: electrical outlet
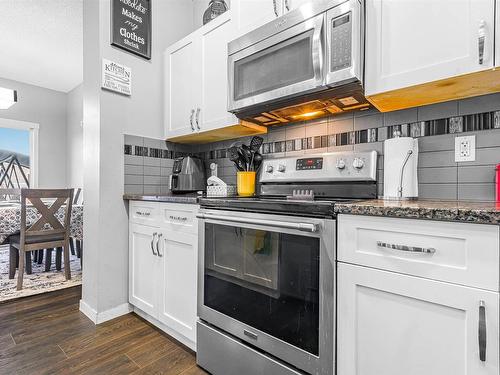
465 148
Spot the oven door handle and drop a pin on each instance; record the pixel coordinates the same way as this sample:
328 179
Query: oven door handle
304 227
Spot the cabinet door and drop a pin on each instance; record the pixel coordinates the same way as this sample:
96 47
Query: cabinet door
213 80
497 35
250 14
410 42
394 324
179 74
179 282
289 5
144 268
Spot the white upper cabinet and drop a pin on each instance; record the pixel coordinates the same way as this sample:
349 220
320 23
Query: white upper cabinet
196 80
393 324
180 87
250 14
410 42
497 36
213 78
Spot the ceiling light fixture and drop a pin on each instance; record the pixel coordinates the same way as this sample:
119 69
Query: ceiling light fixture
8 98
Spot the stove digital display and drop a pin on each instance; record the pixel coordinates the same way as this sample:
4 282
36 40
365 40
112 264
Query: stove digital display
312 163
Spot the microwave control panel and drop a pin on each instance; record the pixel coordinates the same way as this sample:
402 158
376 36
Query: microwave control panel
341 48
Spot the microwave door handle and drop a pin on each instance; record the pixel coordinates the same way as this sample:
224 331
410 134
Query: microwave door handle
303 227
318 54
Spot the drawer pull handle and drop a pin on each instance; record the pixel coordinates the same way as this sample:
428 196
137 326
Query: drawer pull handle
178 218
250 334
482 331
409 249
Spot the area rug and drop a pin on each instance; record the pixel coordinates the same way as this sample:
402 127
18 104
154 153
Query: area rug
39 281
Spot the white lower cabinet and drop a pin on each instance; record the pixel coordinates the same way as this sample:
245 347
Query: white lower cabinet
179 281
394 324
144 268
163 265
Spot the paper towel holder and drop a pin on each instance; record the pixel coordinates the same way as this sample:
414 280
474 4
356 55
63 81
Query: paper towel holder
400 187
399 177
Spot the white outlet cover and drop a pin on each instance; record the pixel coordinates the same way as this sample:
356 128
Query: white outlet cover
465 148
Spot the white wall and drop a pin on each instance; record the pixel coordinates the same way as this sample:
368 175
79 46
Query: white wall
107 116
74 137
47 108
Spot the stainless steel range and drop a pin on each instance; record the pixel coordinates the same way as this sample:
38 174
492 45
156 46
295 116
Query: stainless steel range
267 278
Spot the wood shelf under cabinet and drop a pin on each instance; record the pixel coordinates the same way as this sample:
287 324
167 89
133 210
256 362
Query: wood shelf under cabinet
243 129
460 87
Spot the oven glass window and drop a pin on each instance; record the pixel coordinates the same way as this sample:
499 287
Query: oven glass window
267 280
281 65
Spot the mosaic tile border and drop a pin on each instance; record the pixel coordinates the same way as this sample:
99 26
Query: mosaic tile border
152 152
452 125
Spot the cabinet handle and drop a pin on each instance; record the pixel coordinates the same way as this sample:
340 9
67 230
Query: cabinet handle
481 40
275 6
198 110
482 331
178 218
191 120
287 5
157 247
152 241
409 249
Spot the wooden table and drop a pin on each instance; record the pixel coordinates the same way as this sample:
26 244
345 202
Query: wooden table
10 220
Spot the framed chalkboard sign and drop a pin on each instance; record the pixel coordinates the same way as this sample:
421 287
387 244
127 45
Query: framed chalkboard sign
131 26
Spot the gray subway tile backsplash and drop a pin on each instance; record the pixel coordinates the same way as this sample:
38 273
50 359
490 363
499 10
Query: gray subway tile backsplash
436 127
438 111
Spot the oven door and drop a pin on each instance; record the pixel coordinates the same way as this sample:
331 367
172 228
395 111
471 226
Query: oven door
285 64
269 281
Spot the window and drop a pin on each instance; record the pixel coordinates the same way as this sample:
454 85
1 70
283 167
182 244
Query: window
18 154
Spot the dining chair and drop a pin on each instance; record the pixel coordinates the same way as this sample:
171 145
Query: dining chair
47 232
77 200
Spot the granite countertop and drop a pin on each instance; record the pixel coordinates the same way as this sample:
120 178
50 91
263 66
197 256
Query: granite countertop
463 211
190 198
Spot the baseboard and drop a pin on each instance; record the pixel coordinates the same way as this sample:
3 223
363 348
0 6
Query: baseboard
182 339
104 316
88 311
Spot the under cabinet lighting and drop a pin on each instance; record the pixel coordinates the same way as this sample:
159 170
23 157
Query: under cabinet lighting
8 98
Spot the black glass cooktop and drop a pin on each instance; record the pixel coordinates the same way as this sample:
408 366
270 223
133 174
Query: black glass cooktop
323 207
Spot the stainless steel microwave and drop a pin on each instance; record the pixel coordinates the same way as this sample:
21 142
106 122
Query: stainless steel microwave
305 64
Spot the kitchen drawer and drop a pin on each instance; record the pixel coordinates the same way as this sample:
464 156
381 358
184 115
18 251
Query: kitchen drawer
461 253
179 217
145 213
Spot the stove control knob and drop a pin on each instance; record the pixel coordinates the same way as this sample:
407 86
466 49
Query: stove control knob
281 168
340 164
269 169
358 163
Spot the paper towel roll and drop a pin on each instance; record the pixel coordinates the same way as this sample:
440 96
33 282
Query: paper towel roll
396 151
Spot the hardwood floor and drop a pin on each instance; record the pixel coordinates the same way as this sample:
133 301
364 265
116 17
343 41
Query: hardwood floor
47 334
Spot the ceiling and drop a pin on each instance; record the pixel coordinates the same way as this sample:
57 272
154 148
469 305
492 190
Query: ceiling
41 42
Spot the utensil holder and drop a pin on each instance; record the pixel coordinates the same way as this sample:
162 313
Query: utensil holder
246 183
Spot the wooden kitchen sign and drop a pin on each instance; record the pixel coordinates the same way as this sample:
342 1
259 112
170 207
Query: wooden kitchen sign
131 26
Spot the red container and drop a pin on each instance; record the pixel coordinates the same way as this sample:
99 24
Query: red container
498 182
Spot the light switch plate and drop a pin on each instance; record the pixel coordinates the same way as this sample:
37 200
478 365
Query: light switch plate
465 148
